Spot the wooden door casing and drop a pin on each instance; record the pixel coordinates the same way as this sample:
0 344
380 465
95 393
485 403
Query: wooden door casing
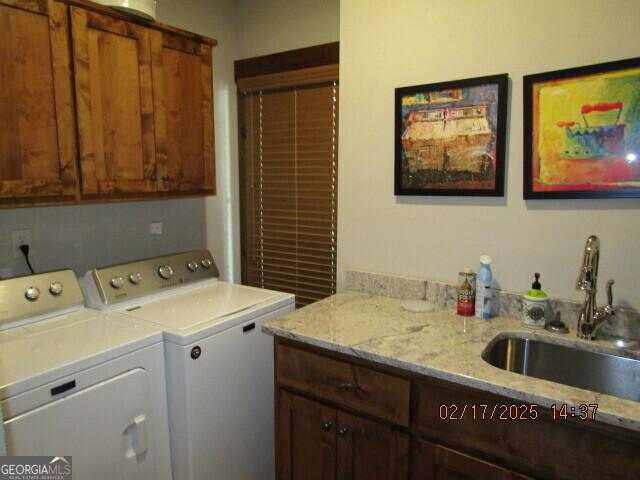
183 104
369 450
306 439
114 95
37 123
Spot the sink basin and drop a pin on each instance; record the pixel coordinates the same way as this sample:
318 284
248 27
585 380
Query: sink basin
595 371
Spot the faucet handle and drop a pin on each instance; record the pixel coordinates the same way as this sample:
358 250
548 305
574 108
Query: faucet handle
610 294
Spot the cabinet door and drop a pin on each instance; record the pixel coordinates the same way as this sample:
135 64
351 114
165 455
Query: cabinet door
370 451
183 95
435 462
37 135
114 97
306 439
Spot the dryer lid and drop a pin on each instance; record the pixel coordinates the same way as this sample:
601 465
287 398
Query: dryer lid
40 352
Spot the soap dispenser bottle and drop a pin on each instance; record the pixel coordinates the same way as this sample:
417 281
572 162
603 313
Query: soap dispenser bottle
535 305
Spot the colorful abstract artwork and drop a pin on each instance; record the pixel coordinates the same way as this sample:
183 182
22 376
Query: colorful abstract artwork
450 137
582 132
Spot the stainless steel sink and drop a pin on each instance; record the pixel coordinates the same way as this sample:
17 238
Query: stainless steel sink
595 371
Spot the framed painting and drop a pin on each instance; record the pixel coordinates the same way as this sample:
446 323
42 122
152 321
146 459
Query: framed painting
450 137
582 132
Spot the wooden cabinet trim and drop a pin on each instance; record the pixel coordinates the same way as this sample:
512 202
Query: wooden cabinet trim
52 171
90 121
430 460
181 43
34 6
363 389
64 100
178 182
208 114
103 10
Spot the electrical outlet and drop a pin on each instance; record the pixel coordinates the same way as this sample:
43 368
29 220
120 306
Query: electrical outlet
155 228
21 237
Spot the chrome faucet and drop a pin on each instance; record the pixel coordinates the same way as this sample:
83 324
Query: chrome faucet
592 317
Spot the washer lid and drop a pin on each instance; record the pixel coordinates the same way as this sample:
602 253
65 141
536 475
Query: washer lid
41 352
184 311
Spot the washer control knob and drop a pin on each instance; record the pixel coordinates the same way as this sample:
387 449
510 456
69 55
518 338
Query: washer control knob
135 278
193 266
206 262
117 282
32 294
55 289
165 271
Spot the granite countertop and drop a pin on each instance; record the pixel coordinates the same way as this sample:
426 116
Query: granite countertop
443 345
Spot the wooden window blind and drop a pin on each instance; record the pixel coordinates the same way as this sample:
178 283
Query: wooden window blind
289 161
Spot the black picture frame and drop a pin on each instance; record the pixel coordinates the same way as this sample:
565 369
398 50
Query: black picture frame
403 177
529 123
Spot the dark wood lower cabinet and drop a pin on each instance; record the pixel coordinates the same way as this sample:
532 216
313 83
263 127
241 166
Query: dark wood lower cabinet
430 461
319 442
369 450
306 439
344 418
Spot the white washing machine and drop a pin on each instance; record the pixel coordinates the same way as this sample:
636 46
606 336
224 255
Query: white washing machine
219 364
80 383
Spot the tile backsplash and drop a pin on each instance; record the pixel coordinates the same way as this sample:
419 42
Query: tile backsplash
82 237
625 323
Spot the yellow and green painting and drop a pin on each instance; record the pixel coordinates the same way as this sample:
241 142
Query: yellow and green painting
586 132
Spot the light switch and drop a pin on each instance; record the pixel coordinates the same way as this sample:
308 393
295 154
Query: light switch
155 228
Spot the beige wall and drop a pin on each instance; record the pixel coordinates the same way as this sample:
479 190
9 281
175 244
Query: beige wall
387 44
271 26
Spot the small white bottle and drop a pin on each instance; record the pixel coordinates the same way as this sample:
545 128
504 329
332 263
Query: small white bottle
484 290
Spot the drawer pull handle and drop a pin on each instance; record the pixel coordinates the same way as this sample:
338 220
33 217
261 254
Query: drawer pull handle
65 387
342 432
326 426
345 386
248 328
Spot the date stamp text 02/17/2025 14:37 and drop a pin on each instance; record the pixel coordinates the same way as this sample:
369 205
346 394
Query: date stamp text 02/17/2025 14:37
525 411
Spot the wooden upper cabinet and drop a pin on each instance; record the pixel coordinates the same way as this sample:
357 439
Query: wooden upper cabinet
183 101
141 121
37 128
114 96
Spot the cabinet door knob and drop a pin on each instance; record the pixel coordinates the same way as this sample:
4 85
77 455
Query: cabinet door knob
345 386
342 432
326 426
153 178
166 178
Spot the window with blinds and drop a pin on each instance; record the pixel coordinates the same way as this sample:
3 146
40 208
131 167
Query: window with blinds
289 160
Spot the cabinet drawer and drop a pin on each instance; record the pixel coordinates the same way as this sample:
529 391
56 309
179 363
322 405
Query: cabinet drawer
360 388
435 461
534 444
